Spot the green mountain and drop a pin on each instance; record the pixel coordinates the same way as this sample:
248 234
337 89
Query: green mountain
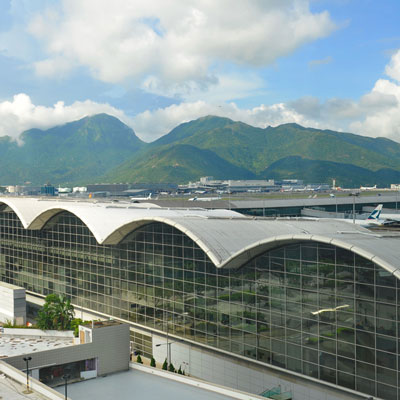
256 150
313 170
178 163
102 149
75 152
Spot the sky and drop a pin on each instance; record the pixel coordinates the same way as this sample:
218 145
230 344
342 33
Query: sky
328 64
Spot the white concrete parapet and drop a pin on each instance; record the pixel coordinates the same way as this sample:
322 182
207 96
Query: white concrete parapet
34 384
37 333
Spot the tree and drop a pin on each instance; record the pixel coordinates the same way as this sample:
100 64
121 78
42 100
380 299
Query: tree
56 313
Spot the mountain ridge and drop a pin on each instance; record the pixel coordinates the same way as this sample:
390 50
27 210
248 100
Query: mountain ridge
102 148
255 149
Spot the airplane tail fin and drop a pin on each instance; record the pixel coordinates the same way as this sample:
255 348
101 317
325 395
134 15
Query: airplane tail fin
376 213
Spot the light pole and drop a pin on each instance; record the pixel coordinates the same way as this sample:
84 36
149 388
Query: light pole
168 344
334 196
336 205
264 207
354 207
66 377
27 359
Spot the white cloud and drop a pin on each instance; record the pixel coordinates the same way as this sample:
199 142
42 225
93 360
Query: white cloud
57 67
164 44
21 114
375 114
382 111
393 68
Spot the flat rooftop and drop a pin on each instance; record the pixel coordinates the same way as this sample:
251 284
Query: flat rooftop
137 384
11 345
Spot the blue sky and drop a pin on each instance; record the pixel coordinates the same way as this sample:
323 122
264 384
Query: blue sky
321 63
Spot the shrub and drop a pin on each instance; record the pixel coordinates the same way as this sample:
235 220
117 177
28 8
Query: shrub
75 326
165 365
180 371
171 368
152 362
11 324
139 359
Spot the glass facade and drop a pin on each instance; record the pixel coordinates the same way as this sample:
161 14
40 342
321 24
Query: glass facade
311 308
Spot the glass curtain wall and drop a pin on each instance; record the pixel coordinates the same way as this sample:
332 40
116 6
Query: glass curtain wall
310 308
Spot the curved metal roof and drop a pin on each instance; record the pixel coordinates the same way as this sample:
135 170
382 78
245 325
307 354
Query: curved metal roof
228 238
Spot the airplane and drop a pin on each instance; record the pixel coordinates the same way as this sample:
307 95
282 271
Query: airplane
391 218
368 187
204 198
373 219
137 199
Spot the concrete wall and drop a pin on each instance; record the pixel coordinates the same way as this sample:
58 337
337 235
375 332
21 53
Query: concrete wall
112 342
110 345
243 375
12 303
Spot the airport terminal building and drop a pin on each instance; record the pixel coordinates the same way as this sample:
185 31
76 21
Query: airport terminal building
313 301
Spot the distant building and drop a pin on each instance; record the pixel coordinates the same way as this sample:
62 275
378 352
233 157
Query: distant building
17 189
208 183
205 180
113 188
63 190
79 189
48 190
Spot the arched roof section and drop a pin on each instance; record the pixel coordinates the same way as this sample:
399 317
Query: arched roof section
108 222
352 244
228 238
24 213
